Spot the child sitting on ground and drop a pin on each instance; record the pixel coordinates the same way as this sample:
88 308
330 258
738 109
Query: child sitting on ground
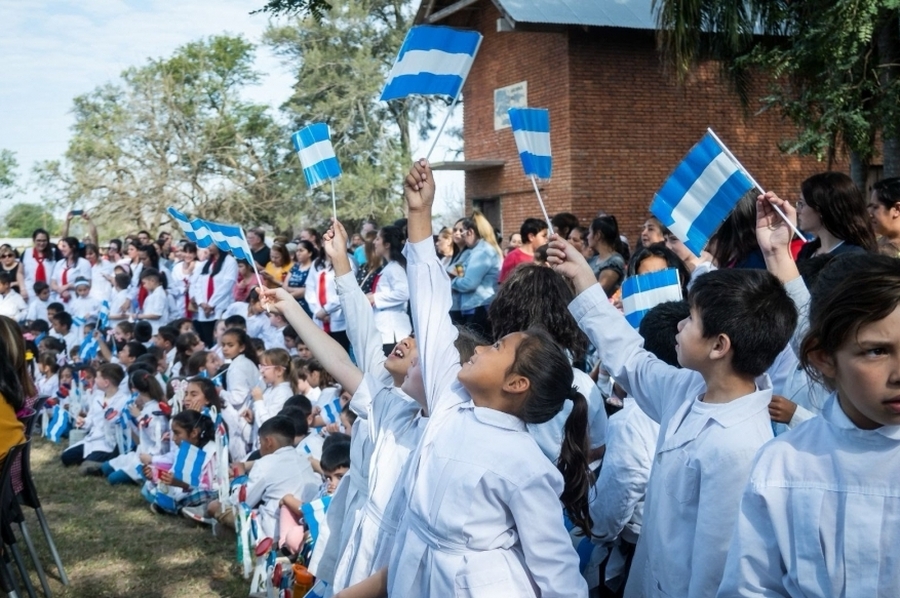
107 402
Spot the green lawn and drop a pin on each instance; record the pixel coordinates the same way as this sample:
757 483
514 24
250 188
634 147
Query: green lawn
113 546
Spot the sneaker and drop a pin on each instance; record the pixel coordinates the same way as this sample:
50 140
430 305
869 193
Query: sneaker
154 508
90 468
197 514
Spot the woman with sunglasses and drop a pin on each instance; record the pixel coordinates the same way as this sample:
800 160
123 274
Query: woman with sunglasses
12 266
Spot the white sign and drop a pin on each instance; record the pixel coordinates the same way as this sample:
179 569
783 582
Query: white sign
511 96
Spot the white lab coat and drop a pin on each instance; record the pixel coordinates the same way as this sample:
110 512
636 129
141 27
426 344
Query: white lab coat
391 299
31 265
101 432
152 426
223 284
820 514
332 304
156 305
703 457
274 398
483 517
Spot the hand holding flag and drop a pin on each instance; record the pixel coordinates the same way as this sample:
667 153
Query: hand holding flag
188 466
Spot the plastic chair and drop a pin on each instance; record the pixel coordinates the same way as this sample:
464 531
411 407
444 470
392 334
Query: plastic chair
29 497
8 514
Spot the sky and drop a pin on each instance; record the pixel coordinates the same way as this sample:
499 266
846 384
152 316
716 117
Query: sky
54 50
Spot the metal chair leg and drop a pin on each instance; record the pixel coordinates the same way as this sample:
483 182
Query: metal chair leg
23 572
46 529
10 586
38 568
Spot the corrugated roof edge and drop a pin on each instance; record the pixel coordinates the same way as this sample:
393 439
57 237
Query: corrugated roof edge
595 13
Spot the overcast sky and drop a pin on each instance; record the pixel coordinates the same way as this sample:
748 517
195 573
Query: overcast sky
54 50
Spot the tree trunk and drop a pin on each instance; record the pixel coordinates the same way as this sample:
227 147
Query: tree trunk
889 63
859 170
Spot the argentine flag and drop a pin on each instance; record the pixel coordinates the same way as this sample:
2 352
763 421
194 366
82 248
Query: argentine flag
531 128
432 61
188 465
89 349
643 292
313 144
103 319
59 424
314 516
331 412
700 194
227 237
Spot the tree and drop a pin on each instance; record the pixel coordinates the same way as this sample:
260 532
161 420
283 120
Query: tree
8 166
23 218
175 132
342 61
314 8
833 66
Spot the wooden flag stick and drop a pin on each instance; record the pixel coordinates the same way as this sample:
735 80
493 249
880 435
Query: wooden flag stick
333 200
541 201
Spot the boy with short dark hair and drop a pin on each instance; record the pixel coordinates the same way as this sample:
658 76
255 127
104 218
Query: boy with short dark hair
11 303
713 414
534 235
37 306
65 329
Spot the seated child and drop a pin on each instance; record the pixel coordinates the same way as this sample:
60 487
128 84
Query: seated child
277 372
106 404
280 471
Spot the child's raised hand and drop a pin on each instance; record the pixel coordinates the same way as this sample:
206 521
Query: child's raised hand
148 472
419 186
275 300
772 233
334 241
570 262
256 393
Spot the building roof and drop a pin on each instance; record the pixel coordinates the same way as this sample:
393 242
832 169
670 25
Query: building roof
628 14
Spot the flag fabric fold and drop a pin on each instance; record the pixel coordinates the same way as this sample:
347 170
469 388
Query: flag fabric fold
89 349
313 144
59 424
188 466
433 60
531 129
227 237
314 516
103 318
643 292
700 193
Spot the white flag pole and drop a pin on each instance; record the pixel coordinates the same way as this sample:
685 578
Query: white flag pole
450 109
541 201
755 184
253 263
333 200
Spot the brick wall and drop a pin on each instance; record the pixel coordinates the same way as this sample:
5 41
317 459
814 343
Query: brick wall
619 123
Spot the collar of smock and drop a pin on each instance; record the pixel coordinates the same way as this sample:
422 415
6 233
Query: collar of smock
495 418
836 416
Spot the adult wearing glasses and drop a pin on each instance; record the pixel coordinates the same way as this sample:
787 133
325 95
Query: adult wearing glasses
834 210
38 261
884 210
12 266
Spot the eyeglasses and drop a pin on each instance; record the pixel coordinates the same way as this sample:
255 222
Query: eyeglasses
6 255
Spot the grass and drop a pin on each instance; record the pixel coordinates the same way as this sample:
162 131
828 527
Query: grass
112 546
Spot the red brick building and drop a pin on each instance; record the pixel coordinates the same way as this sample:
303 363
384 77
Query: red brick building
619 122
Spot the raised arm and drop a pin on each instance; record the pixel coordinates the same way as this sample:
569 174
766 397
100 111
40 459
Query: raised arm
327 350
655 385
361 329
429 291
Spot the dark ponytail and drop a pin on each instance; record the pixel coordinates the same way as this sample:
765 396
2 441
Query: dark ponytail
192 420
573 464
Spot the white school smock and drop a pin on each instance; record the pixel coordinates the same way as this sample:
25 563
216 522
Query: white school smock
13 306
483 517
820 515
272 478
37 309
332 304
30 265
273 400
223 284
101 432
391 299
100 285
395 427
703 457
155 305
152 426
256 324
242 376
83 307
81 268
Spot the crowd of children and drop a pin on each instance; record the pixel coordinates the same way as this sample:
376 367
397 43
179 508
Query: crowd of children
738 443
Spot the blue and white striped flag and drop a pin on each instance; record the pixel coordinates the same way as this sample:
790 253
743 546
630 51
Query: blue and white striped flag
531 128
314 516
700 193
320 590
313 144
227 237
188 465
103 318
89 349
643 292
78 322
432 60
59 424
331 412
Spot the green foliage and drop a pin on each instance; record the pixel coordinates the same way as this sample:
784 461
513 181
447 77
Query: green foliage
8 166
830 75
315 8
23 218
341 62
175 131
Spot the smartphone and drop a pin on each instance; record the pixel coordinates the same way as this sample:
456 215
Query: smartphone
77 212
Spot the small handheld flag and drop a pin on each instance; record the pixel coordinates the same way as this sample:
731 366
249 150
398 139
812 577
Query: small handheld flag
433 60
313 145
89 349
314 516
531 129
59 424
103 318
700 193
331 412
188 465
643 292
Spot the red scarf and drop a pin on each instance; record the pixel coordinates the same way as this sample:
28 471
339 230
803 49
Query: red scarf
65 278
323 298
142 296
40 274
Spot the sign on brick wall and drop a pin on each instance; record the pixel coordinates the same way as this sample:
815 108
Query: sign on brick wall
511 96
